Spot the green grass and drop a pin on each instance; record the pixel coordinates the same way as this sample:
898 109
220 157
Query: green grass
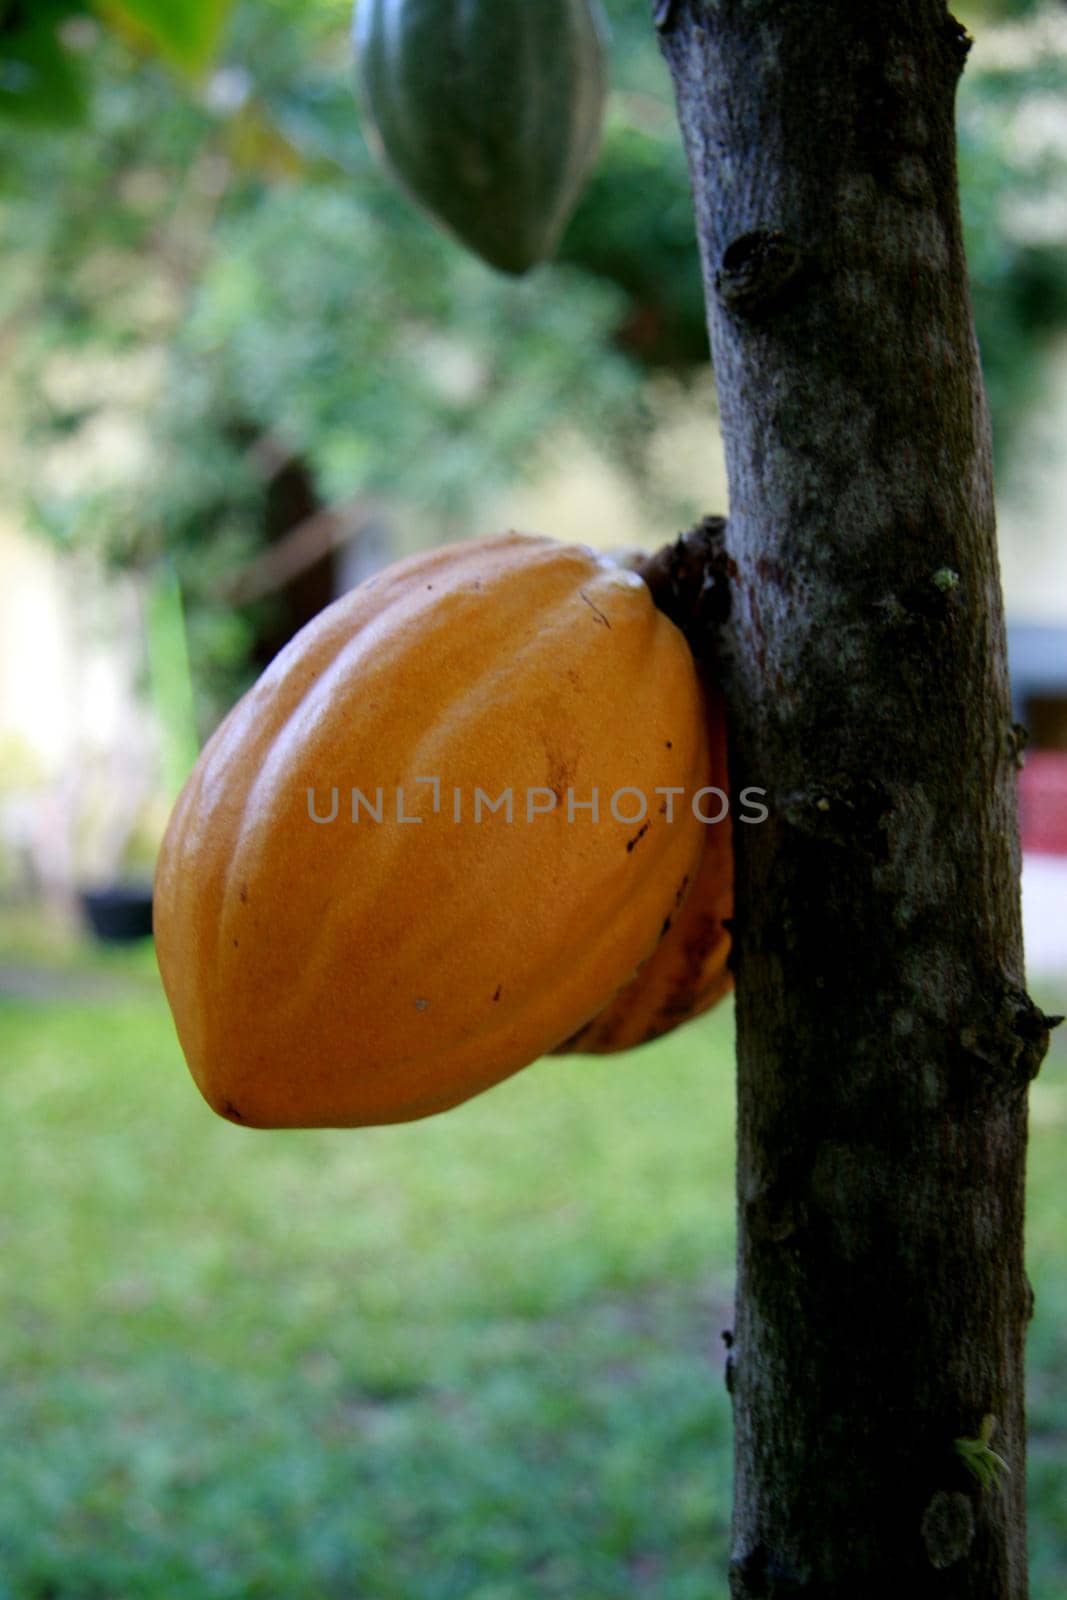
474 1358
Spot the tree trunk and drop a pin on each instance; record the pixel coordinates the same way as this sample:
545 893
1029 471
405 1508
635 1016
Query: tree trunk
885 1040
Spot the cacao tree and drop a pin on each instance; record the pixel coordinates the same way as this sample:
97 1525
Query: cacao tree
885 1040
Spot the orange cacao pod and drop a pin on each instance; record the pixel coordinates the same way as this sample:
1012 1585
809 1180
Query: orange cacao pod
687 972
332 972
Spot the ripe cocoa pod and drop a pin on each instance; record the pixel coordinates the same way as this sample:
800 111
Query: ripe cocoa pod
687 973
359 968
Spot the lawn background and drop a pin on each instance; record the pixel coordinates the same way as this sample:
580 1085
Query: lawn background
472 1358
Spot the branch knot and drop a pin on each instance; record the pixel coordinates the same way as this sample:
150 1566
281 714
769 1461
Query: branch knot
690 583
947 1528
755 269
1013 1041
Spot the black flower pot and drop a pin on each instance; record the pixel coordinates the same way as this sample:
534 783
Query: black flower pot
119 913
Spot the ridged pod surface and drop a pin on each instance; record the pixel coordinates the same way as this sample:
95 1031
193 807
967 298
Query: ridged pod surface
687 973
489 111
340 973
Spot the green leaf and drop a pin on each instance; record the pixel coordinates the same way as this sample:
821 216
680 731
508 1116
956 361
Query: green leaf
982 1462
171 680
40 80
187 32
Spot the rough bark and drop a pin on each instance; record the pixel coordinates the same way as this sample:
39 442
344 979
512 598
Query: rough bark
885 1040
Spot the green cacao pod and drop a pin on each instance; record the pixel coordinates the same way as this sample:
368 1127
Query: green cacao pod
488 111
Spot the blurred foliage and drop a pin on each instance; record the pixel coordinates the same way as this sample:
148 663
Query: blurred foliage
207 277
1013 176
45 75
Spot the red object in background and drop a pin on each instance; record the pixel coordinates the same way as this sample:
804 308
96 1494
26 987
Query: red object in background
1043 802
